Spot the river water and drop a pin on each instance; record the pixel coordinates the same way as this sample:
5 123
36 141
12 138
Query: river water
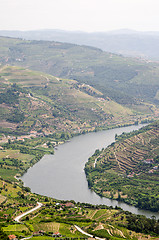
62 176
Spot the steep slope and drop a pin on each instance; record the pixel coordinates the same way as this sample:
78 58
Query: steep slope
128 169
37 101
125 80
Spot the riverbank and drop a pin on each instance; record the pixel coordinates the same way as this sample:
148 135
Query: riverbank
128 170
60 217
40 152
68 164
42 145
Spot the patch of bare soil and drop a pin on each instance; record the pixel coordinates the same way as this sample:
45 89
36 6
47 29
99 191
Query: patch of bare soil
6 124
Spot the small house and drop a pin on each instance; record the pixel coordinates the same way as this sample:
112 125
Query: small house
68 204
155 167
148 161
56 234
36 234
12 237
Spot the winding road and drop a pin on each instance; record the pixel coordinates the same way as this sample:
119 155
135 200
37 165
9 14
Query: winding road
17 219
87 234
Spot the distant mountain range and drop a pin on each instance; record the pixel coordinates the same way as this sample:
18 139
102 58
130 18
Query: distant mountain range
126 42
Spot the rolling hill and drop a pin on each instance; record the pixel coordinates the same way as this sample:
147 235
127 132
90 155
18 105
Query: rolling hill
31 100
124 80
126 42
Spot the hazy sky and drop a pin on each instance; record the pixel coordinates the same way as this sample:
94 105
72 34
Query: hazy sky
84 15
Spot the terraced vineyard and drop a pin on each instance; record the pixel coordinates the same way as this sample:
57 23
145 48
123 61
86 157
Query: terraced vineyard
128 169
125 80
130 152
39 111
62 217
37 101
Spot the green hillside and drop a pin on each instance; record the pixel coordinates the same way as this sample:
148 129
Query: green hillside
125 41
128 170
125 80
63 217
41 106
39 111
37 101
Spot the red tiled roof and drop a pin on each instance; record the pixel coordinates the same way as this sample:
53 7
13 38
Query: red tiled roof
69 204
11 237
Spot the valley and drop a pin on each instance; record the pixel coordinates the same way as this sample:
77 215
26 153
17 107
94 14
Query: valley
52 91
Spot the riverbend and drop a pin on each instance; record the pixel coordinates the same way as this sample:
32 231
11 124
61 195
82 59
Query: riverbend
62 176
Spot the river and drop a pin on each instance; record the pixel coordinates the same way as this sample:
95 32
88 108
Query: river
62 176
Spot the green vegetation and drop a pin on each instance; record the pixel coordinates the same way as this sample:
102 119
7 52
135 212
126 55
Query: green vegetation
3 235
45 104
124 80
10 96
38 111
17 156
58 216
61 216
128 170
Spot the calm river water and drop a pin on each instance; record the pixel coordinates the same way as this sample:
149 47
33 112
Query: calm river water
61 175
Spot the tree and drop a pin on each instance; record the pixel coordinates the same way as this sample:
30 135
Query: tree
119 196
49 144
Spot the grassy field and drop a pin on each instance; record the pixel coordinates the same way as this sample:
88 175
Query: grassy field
16 228
8 174
49 227
9 153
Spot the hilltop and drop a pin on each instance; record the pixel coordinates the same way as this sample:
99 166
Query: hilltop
125 80
124 41
128 170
